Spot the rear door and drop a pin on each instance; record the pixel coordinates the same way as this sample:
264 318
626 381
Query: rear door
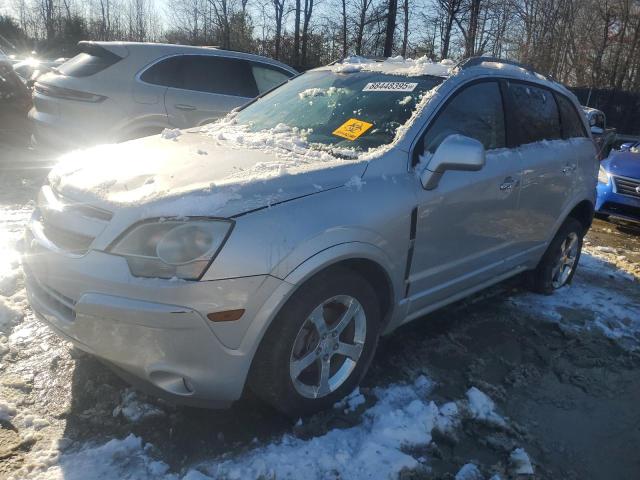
467 227
549 162
210 87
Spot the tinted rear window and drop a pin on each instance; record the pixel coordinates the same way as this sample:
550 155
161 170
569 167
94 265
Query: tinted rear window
572 126
536 113
85 64
166 73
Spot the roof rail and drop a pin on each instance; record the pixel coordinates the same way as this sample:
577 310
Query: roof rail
475 61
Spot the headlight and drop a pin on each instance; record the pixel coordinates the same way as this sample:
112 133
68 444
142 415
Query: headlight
172 248
603 176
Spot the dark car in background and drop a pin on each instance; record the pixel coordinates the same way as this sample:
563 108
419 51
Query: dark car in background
15 102
619 184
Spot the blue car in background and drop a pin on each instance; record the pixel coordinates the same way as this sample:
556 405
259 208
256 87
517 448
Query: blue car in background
619 183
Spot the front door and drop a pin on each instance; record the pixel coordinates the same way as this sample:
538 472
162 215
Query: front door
467 227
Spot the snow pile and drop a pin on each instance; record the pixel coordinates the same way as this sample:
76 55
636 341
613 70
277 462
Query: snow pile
396 66
10 314
520 462
128 458
321 92
170 133
7 410
351 402
469 472
134 409
482 408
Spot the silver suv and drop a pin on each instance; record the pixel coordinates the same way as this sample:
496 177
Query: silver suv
116 91
274 247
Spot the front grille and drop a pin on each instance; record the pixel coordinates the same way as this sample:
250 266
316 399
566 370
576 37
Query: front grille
627 186
70 226
66 240
620 209
65 306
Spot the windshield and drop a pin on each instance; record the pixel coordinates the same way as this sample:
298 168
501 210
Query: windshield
360 110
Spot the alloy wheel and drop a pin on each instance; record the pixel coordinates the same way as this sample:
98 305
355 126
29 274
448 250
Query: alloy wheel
328 346
566 261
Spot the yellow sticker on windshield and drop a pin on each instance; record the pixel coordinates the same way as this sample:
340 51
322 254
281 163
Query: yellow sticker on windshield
352 129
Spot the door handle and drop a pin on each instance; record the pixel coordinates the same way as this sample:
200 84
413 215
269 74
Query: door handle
184 107
508 184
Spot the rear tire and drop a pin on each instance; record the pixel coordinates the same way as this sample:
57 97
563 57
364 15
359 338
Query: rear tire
558 265
320 344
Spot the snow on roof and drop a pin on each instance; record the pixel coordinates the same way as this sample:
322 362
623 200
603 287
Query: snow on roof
395 66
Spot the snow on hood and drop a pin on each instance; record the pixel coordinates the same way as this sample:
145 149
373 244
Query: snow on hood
396 66
221 169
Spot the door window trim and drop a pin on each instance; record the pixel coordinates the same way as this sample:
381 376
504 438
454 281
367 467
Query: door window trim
575 111
415 148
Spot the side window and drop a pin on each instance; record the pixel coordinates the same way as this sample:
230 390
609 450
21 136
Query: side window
536 113
475 112
212 74
267 78
166 73
572 126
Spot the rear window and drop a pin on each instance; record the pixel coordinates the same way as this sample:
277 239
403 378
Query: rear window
536 113
166 73
268 78
86 64
572 126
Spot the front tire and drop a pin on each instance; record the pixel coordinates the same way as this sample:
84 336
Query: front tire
558 265
320 344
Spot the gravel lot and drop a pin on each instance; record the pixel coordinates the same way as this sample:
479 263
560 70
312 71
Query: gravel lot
497 386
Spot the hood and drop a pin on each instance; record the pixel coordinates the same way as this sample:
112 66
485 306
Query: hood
625 164
192 173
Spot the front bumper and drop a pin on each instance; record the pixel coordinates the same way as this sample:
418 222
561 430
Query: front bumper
154 332
609 202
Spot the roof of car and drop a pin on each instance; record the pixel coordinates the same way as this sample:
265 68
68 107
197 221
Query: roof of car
444 69
169 48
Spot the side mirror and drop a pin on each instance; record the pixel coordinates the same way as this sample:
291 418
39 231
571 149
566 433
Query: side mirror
456 152
625 146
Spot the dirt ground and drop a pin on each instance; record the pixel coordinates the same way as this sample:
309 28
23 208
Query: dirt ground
570 393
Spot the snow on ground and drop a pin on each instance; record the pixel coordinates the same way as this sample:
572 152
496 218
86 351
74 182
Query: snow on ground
608 309
402 418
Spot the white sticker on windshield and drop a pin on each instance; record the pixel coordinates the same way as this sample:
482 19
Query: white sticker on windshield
390 87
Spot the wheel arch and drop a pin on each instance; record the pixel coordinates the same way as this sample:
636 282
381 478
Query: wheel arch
365 259
583 212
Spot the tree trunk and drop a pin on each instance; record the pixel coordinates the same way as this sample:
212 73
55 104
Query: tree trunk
405 35
296 37
391 27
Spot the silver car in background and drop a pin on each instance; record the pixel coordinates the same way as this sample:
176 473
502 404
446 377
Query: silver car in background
273 248
117 91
